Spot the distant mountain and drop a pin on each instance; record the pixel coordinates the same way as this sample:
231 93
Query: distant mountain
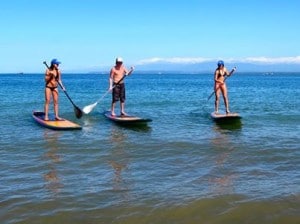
200 65
211 66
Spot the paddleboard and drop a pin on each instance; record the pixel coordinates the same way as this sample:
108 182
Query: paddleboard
126 119
64 124
225 117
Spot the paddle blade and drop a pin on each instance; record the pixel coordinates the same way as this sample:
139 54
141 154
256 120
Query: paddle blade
89 108
78 112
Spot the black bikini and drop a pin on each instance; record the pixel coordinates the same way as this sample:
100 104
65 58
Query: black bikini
219 75
51 88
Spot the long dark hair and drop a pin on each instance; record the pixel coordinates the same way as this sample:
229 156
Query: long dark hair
52 66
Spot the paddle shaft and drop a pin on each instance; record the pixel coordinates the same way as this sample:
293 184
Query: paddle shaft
112 88
231 72
89 108
78 111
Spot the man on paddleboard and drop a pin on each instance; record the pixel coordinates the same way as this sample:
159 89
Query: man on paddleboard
52 78
117 85
220 86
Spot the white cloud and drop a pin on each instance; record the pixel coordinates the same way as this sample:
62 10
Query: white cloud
253 60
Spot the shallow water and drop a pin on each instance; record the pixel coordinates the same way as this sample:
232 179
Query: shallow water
181 168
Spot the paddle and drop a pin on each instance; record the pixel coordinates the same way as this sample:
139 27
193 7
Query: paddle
231 72
89 108
77 110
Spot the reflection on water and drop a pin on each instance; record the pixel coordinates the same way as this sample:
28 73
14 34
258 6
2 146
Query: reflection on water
119 160
118 180
142 127
52 147
221 176
232 125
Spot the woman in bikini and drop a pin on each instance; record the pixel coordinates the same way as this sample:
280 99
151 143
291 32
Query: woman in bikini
52 80
220 86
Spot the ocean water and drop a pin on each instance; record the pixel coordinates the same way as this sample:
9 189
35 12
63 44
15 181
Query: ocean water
181 168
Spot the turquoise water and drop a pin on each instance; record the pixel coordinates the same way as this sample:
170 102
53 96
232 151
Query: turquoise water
181 168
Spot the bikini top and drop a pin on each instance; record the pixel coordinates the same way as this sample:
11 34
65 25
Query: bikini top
221 74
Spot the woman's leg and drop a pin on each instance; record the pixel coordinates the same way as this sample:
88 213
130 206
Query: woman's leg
217 99
225 97
55 103
47 102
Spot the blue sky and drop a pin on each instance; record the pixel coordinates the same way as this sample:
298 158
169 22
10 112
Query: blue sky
89 34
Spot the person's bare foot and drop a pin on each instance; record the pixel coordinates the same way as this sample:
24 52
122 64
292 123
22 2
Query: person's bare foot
59 119
123 114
